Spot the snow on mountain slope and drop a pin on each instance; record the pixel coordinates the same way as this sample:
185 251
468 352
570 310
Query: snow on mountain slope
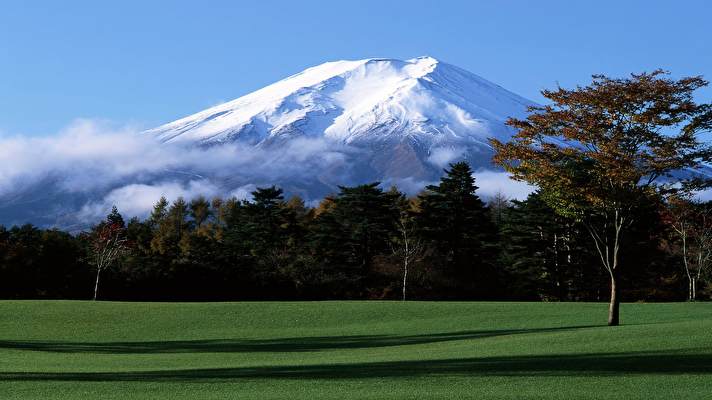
421 101
339 123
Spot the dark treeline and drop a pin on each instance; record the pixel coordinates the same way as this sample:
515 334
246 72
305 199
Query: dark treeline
362 243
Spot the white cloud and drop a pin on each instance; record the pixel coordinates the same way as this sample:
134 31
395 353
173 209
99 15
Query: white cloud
407 185
85 156
493 182
442 156
132 171
243 192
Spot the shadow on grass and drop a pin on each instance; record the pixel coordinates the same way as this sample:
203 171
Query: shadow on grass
295 344
603 364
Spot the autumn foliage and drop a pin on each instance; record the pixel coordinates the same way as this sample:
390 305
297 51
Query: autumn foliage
601 151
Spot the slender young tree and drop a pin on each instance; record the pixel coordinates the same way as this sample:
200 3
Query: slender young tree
408 245
108 242
498 205
692 222
598 152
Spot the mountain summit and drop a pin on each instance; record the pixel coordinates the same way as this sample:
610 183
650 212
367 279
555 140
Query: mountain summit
422 99
409 115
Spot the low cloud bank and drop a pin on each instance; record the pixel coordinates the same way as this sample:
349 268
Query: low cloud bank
132 170
110 165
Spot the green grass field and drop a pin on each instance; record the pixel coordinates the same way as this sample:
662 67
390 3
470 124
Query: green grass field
344 350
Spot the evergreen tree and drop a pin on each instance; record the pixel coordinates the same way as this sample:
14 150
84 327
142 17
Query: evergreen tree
159 212
114 218
351 232
258 242
459 228
266 227
199 211
171 227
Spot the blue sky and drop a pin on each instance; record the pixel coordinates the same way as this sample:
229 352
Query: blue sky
147 63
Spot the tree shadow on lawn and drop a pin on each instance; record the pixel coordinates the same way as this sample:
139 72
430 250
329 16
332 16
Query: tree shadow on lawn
294 344
592 364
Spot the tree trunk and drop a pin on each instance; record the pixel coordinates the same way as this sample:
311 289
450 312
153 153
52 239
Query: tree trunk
405 275
690 290
614 306
693 289
96 285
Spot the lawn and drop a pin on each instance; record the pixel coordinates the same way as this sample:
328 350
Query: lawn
343 350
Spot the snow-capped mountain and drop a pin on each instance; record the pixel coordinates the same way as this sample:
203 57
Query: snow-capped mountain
339 123
412 116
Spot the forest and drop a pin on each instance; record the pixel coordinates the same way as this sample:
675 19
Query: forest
364 242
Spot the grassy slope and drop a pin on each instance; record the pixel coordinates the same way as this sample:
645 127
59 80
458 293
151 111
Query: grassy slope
61 349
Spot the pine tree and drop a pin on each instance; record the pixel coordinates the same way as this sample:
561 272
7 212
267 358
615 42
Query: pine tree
159 212
199 211
114 218
459 227
172 228
351 231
